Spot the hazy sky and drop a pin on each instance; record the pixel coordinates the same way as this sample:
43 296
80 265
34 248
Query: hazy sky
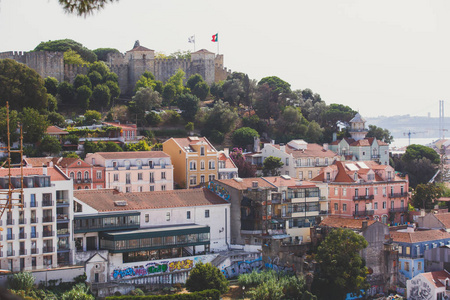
384 57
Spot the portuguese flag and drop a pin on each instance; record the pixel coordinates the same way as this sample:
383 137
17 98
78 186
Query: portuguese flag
215 38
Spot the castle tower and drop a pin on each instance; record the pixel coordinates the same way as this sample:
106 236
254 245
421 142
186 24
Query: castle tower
140 59
357 128
203 63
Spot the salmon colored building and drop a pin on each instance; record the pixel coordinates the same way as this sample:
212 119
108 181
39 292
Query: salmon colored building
366 190
195 160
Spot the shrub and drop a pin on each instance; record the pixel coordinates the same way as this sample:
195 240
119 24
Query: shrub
206 276
21 281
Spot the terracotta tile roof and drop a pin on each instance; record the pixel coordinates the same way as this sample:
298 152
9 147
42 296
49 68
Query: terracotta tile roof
338 222
244 183
312 150
279 181
54 173
55 130
342 175
131 126
361 143
187 142
444 219
68 161
229 164
37 161
419 236
140 48
436 278
104 200
132 154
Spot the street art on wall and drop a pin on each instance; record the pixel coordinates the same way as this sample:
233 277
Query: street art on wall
218 190
420 290
157 267
242 267
276 266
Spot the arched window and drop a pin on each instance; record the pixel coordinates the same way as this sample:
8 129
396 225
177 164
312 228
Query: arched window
72 175
86 187
79 175
86 175
384 219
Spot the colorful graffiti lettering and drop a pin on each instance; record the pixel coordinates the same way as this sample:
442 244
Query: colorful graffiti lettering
278 268
181 265
242 267
156 268
117 274
220 191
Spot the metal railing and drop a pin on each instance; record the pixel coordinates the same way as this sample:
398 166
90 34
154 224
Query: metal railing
398 209
48 249
48 233
47 202
22 235
48 219
364 213
396 195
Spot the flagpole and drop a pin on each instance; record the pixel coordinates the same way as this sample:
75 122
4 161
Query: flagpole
218 41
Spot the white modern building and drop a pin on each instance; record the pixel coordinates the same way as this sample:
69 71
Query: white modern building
39 235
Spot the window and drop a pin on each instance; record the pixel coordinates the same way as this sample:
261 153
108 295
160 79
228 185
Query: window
367 191
33 200
364 153
392 204
152 177
116 177
128 189
419 266
79 176
163 187
152 188
335 190
163 175
188 215
86 175
141 189
328 176
356 192
336 206
408 250
147 218
375 191
392 190
202 151
384 191
193 165
202 165
389 176
211 177
72 175
211 165
202 179
384 204
300 175
344 192
206 213
406 266
128 178
115 164
309 174
400 249
375 205
402 203
140 176
344 207
287 161
99 174
193 180
402 190
167 216
326 161
355 176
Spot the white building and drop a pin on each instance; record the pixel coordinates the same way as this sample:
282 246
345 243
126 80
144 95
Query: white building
431 285
39 236
227 168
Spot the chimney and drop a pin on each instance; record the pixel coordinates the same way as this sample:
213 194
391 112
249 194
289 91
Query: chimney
283 147
256 146
44 170
364 224
334 136
226 151
325 146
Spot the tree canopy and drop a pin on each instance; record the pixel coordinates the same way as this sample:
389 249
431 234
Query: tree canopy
425 195
102 53
276 84
415 151
205 277
380 134
21 86
68 44
244 136
271 166
341 268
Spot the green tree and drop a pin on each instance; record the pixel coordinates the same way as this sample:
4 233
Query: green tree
23 281
56 119
244 136
415 151
101 96
341 268
181 55
21 86
314 133
71 57
67 44
267 103
153 119
290 124
34 125
198 86
276 84
221 117
114 89
145 99
144 82
102 53
78 292
84 93
168 94
177 81
52 103
100 67
13 120
111 76
91 117
337 114
50 145
51 84
66 92
233 91
205 277
95 78
216 90
189 105
111 147
140 146
69 154
380 133
425 195
81 80
271 166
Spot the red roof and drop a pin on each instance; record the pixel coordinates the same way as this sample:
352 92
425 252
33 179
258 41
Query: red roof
229 164
132 154
106 200
338 222
194 140
54 173
419 236
245 183
436 278
55 130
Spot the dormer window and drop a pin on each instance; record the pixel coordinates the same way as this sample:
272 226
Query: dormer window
355 176
79 163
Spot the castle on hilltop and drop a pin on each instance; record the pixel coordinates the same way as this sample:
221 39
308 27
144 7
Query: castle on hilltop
129 66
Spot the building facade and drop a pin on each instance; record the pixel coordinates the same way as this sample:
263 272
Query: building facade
431 285
366 190
39 235
194 159
140 171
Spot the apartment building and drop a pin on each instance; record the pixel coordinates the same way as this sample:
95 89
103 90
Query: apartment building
366 190
140 171
226 167
39 235
195 160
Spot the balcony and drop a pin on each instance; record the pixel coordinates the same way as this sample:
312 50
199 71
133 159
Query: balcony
22 221
87 180
47 202
10 222
324 212
375 156
10 237
34 251
34 235
363 197
62 231
10 253
22 235
363 213
48 233
33 203
48 249
398 209
397 195
62 202
48 219
63 247
34 220
23 252
62 217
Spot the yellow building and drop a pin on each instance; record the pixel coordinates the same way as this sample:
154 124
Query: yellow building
194 160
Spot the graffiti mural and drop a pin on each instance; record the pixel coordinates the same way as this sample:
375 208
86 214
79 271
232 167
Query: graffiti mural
220 191
275 265
420 290
242 267
156 267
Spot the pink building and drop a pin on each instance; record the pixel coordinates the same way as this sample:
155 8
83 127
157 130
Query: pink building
366 190
141 171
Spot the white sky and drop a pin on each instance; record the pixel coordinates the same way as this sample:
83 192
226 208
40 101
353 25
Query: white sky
384 57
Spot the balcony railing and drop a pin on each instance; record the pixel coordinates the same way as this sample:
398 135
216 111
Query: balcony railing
87 180
9 222
363 213
63 247
34 235
34 251
48 219
363 197
48 249
399 209
396 195
34 220
62 217
48 233
47 203
22 221
23 252
62 202
10 253
33 203
62 231
22 235
376 156
10 237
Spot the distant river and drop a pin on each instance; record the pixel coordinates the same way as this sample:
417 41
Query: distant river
402 142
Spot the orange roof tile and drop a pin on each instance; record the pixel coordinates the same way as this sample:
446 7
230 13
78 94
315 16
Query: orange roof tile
187 142
104 200
244 183
37 161
436 277
338 222
132 154
419 236
279 181
55 130
312 150
444 218
229 164
54 173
